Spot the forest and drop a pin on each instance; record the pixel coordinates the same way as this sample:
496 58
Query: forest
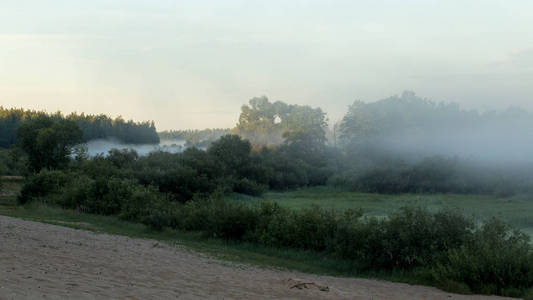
402 144
92 126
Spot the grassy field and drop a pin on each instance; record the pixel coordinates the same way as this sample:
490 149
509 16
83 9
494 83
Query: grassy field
516 210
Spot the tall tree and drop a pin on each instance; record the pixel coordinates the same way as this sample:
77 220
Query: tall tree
266 123
92 126
48 143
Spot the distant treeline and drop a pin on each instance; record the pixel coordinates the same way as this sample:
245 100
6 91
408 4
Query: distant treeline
195 137
407 144
92 126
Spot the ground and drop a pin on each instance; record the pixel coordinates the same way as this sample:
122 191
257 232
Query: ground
43 261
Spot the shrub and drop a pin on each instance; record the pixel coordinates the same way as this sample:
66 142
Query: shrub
41 184
414 237
496 260
74 195
139 204
122 158
249 187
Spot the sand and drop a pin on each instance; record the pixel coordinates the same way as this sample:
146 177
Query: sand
41 261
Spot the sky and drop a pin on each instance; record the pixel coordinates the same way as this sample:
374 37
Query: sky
193 64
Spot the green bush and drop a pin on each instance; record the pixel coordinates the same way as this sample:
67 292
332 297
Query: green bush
414 237
249 187
14 162
42 184
310 229
140 204
497 260
74 195
410 238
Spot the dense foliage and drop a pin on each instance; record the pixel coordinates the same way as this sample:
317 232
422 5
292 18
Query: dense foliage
265 123
229 165
13 162
48 143
92 126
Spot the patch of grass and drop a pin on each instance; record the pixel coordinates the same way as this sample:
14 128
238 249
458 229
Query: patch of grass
515 210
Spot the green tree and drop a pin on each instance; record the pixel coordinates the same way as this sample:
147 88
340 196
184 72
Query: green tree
48 143
92 126
265 123
232 152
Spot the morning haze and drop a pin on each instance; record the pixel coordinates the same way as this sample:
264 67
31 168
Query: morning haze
282 149
191 64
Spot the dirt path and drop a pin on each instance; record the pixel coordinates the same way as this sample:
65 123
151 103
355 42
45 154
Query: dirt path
40 261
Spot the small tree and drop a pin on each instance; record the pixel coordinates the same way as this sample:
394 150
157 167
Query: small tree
48 143
232 152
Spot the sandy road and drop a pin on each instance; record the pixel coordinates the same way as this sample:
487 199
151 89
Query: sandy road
41 261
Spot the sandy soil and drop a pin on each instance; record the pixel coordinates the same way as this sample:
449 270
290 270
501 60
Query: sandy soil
40 261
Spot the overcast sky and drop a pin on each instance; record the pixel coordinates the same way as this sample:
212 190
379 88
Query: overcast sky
192 64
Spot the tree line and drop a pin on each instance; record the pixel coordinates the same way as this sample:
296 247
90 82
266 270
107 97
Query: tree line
92 126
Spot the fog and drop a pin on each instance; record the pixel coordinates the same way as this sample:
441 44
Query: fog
496 142
102 147
410 127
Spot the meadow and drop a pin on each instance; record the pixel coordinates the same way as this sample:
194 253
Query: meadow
516 210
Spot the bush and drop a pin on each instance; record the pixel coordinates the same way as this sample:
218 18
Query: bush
75 194
414 237
42 184
140 204
309 229
410 238
108 195
14 162
249 187
496 260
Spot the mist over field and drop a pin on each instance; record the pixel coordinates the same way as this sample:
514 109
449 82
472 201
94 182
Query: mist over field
490 141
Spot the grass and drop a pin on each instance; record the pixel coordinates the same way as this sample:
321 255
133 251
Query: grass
516 210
